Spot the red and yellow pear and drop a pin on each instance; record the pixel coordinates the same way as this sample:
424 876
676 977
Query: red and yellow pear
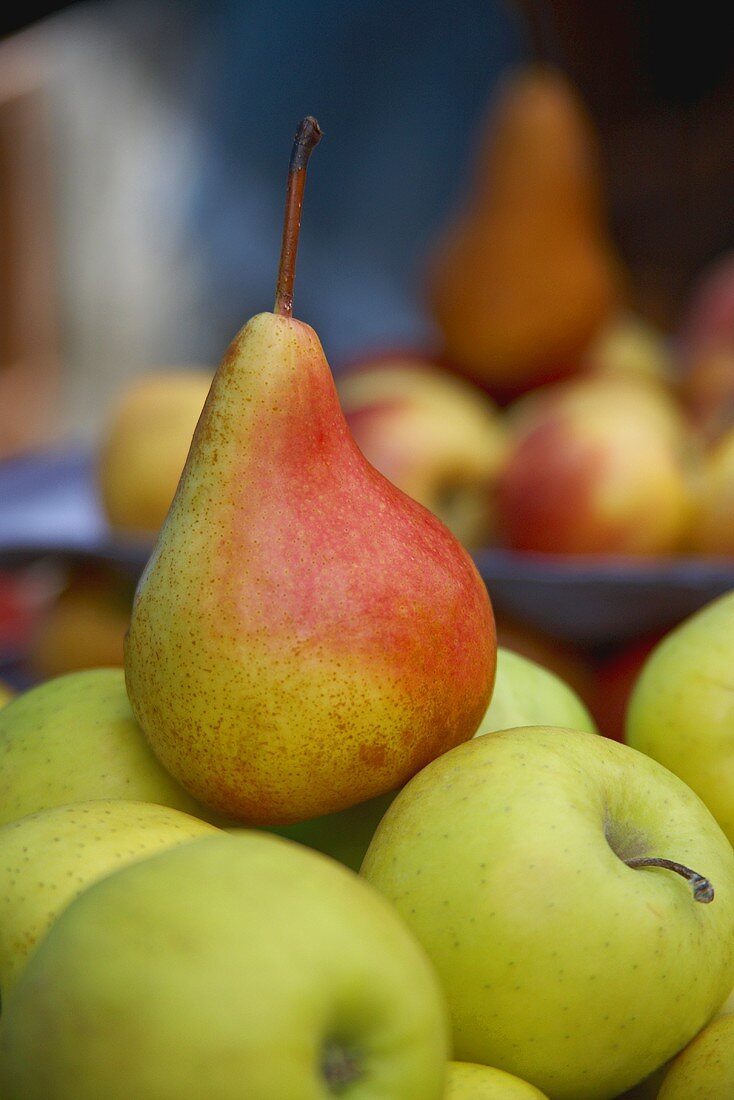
305 636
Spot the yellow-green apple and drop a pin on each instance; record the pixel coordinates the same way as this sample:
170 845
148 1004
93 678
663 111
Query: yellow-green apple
471 1081
232 966
74 738
526 694
597 465
144 446
48 858
435 435
561 883
629 347
681 711
84 626
712 525
705 1069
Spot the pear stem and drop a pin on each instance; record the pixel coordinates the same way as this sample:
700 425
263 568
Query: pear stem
308 135
703 891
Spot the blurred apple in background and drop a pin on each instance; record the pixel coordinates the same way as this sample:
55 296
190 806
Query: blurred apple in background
6 693
596 466
145 444
629 347
84 625
708 391
712 527
435 435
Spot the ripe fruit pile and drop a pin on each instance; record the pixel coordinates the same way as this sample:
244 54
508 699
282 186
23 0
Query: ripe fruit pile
540 911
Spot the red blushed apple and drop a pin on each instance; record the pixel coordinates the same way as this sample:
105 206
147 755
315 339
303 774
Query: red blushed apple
436 436
597 466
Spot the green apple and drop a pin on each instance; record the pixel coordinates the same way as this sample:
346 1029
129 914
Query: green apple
528 865
470 1081
240 965
526 694
48 858
74 738
705 1069
345 835
681 711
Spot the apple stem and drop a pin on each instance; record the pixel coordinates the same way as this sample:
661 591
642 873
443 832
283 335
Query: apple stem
308 135
702 889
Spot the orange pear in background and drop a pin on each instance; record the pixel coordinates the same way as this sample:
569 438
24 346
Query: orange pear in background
525 276
305 636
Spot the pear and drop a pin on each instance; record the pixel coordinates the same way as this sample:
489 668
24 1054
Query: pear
229 968
305 636
75 738
525 276
48 858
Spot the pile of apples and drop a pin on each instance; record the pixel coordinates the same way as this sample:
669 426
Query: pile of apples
321 838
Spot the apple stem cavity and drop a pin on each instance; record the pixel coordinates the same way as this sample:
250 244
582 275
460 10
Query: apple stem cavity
308 135
703 891
340 1066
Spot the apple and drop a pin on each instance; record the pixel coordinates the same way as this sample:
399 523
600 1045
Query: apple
84 626
598 465
712 527
705 1069
629 347
435 435
232 966
526 694
144 446
470 1081
48 858
708 391
74 738
681 711
6 693
558 882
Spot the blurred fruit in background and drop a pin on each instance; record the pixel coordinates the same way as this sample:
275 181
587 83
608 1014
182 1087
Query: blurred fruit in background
567 661
596 466
526 275
6 693
615 677
435 435
84 625
629 347
712 529
145 444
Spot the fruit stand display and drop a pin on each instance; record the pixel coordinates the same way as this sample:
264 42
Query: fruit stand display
376 732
